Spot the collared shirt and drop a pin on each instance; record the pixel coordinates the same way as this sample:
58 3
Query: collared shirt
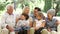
32 15
8 20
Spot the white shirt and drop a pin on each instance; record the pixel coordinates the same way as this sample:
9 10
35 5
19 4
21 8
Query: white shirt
8 20
38 22
23 23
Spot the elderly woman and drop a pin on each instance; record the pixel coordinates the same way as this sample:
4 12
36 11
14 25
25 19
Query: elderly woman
8 19
51 23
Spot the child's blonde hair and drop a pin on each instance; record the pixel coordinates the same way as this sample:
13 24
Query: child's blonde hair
41 14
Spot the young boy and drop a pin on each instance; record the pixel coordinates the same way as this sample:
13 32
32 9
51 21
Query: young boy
23 24
39 23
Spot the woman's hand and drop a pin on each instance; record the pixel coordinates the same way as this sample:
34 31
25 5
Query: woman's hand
49 29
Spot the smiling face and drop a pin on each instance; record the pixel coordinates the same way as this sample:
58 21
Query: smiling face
38 17
22 17
51 13
26 10
49 16
10 9
35 12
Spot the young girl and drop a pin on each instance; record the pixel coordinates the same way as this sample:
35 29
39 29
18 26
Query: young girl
38 23
23 24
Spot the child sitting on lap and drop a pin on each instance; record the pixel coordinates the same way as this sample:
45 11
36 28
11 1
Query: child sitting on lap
22 23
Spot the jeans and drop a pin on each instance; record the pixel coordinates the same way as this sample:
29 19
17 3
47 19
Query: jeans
38 31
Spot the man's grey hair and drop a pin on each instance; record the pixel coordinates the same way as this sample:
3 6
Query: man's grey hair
9 5
51 11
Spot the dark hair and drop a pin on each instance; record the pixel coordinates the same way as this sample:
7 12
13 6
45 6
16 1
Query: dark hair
38 8
27 16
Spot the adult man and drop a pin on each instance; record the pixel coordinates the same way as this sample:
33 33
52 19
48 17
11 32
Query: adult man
36 10
8 19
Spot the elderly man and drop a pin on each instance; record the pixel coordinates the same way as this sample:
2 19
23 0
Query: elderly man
8 19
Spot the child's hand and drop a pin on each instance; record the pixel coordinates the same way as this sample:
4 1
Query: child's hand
36 28
24 24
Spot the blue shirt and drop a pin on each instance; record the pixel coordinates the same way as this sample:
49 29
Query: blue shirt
51 24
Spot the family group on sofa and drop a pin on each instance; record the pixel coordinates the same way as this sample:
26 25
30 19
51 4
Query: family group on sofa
27 22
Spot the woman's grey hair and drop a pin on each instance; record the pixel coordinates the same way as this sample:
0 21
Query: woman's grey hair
51 11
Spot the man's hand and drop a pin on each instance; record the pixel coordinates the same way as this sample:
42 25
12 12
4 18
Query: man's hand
10 28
